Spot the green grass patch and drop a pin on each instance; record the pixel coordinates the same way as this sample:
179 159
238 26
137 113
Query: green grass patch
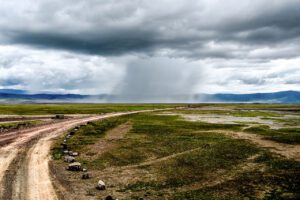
85 136
151 136
283 135
92 132
15 125
197 165
40 109
158 136
279 180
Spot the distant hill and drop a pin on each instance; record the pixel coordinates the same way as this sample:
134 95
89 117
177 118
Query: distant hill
275 97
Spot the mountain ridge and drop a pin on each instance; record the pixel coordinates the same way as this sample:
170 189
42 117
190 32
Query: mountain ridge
271 97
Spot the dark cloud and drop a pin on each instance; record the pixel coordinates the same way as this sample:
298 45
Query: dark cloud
107 45
184 28
149 50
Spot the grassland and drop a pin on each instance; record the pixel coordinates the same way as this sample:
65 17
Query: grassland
157 136
41 109
14 125
279 179
284 135
37 109
166 157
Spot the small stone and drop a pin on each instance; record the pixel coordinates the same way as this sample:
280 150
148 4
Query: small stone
69 159
85 176
72 132
66 152
75 166
64 145
74 154
101 185
84 170
109 198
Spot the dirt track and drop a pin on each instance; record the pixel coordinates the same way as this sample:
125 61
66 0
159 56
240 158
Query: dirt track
24 156
287 150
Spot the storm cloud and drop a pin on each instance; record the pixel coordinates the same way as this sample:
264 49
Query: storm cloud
200 29
134 48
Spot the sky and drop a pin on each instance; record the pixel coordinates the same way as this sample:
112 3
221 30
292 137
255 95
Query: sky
158 48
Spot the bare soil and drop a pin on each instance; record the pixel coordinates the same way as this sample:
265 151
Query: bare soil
228 119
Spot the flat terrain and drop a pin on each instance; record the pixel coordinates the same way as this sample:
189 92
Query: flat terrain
24 155
206 151
50 109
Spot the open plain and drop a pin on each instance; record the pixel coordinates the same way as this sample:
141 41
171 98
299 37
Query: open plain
198 151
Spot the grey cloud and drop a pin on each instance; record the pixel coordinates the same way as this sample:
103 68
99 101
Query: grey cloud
9 82
158 80
92 45
183 27
253 81
296 81
149 50
56 71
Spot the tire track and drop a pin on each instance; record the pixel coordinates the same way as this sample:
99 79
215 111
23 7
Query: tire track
39 179
290 151
25 158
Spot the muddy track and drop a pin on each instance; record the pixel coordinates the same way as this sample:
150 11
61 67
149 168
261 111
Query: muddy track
16 174
24 158
13 157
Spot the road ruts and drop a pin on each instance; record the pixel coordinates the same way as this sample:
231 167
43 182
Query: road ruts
24 169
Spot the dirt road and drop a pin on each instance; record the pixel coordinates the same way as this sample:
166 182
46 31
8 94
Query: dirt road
24 156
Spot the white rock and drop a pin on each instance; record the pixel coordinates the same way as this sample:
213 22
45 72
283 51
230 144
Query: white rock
101 185
76 166
74 154
66 152
69 159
